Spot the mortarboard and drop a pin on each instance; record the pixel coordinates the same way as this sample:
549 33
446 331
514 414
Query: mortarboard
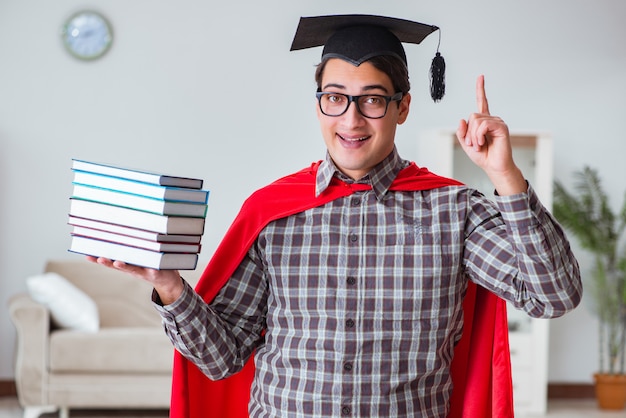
357 38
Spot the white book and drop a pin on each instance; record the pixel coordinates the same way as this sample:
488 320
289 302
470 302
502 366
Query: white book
140 188
132 255
134 232
136 219
133 201
169 247
138 175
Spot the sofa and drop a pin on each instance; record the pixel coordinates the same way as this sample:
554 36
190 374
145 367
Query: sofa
118 357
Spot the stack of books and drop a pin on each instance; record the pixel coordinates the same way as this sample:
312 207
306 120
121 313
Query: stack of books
142 218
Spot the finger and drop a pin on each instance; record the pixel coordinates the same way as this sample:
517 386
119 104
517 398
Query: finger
481 134
472 137
104 261
129 268
461 131
481 96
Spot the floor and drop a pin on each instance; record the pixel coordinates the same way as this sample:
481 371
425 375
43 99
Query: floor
9 408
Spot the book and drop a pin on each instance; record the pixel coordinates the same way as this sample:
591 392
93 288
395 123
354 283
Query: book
138 219
170 247
133 232
140 188
133 201
138 175
132 255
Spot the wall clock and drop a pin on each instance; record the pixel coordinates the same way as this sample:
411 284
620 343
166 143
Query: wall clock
87 35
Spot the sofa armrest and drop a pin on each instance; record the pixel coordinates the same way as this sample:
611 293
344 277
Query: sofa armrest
32 321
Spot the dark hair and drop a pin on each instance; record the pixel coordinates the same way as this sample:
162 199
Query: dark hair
390 65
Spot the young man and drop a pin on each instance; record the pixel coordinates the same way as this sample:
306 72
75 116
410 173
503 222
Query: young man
346 281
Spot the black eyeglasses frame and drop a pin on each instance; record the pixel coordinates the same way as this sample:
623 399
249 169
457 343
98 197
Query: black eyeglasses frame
388 99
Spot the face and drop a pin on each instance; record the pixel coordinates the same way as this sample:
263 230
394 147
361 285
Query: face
355 143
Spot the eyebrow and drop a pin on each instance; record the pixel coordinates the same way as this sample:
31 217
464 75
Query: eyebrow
365 88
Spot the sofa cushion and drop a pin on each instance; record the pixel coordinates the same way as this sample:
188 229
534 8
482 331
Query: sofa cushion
69 306
122 300
111 350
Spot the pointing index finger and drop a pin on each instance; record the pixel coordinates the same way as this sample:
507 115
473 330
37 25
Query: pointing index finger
481 96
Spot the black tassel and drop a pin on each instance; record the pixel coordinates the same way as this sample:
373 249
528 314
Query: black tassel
438 78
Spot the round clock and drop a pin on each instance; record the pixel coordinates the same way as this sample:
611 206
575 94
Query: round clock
87 35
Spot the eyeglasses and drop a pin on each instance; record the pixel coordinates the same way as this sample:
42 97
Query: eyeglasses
372 106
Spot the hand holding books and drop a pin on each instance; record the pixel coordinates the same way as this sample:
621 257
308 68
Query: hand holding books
167 283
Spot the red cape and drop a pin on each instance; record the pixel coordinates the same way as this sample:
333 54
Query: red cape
481 370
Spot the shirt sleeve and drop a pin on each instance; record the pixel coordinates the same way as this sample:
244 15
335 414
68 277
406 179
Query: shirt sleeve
218 337
519 251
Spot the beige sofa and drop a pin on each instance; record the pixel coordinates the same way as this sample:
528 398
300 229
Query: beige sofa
125 364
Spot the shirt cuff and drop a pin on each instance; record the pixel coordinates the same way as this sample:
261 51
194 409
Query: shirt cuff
179 305
522 210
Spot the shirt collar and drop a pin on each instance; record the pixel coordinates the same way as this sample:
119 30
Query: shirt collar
380 177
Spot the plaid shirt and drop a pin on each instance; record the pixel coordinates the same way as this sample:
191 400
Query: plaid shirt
361 298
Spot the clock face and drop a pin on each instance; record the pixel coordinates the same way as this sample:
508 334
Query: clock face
87 35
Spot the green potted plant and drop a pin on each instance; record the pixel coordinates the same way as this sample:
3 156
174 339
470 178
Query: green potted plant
599 230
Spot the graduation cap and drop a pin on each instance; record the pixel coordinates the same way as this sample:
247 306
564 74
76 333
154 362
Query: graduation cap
358 38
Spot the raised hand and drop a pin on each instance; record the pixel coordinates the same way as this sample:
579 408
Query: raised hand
485 139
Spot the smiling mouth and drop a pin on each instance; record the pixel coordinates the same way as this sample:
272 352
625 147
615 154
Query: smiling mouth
358 139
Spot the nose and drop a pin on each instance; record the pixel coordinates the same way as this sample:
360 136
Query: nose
353 115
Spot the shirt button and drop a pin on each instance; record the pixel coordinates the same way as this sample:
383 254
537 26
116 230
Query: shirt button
351 281
356 201
353 238
346 410
349 323
347 367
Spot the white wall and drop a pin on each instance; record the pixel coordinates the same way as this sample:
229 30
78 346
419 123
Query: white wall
210 89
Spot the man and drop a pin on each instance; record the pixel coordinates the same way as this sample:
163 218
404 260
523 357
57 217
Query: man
348 289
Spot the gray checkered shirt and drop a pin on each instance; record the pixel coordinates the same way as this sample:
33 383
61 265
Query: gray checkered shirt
361 298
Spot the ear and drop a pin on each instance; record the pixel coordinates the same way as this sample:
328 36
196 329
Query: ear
405 104
318 111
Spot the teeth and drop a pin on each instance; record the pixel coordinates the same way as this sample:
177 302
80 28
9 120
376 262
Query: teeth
354 139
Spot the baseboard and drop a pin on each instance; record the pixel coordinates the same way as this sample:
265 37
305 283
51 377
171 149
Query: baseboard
571 391
555 390
7 388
